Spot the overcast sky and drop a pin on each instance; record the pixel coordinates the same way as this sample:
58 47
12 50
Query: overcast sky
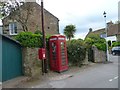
84 14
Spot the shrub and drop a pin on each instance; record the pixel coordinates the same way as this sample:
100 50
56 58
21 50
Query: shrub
38 32
115 44
109 43
76 52
28 39
94 39
101 46
89 42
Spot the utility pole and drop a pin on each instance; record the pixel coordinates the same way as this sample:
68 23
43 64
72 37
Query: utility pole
44 62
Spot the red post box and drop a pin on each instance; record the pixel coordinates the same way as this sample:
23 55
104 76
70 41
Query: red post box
42 53
58 53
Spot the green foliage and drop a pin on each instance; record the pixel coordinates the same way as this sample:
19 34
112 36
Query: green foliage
89 42
28 39
101 46
109 43
94 39
76 52
69 31
38 32
115 44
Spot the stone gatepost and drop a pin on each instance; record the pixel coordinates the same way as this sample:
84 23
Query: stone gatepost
85 62
99 55
31 63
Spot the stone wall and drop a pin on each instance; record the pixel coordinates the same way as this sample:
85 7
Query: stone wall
31 63
99 56
118 37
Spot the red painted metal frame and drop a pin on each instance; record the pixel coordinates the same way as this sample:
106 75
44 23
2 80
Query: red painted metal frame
56 65
42 53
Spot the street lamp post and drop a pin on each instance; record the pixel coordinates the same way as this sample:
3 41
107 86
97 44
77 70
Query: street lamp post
44 62
104 14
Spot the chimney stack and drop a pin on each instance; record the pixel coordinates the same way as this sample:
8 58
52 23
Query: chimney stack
90 29
109 24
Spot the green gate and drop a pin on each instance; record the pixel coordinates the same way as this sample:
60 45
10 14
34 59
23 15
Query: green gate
0 58
11 59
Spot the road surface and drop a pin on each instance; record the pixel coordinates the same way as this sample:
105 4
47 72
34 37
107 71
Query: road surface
98 76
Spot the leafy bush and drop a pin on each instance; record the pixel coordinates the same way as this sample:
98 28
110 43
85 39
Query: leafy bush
89 42
101 46
109 43
94 39
115 44
38 32
76 52
28 39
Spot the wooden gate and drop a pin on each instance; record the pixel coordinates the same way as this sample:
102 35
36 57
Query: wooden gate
90 55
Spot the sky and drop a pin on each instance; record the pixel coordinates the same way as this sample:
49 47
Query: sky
84 14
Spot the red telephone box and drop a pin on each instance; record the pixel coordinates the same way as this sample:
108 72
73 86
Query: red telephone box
58 53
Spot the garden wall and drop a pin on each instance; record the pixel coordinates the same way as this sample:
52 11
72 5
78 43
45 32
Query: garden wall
99 55
31 63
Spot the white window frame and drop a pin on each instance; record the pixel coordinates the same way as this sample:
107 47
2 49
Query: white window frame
12 27
1 30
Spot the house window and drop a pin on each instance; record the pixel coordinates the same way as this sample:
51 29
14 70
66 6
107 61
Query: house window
13 28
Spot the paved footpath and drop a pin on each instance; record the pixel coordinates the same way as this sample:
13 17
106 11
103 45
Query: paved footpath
23 82
0 85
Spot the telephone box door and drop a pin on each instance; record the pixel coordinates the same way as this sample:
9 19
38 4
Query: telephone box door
53 55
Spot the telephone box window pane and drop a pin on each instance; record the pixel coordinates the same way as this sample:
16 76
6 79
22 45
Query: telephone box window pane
54 51
63 57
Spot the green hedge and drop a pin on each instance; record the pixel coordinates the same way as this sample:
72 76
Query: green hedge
101 46
28 39
76 52
115 44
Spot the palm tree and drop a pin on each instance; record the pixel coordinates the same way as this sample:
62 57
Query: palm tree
69 31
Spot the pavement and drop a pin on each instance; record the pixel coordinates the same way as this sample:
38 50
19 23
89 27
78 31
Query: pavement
24 82
14 82
0 85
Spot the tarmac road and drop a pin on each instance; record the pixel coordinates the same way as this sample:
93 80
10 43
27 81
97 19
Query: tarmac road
98 76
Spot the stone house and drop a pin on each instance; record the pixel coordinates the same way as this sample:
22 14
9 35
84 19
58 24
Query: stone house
112 30
13 27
